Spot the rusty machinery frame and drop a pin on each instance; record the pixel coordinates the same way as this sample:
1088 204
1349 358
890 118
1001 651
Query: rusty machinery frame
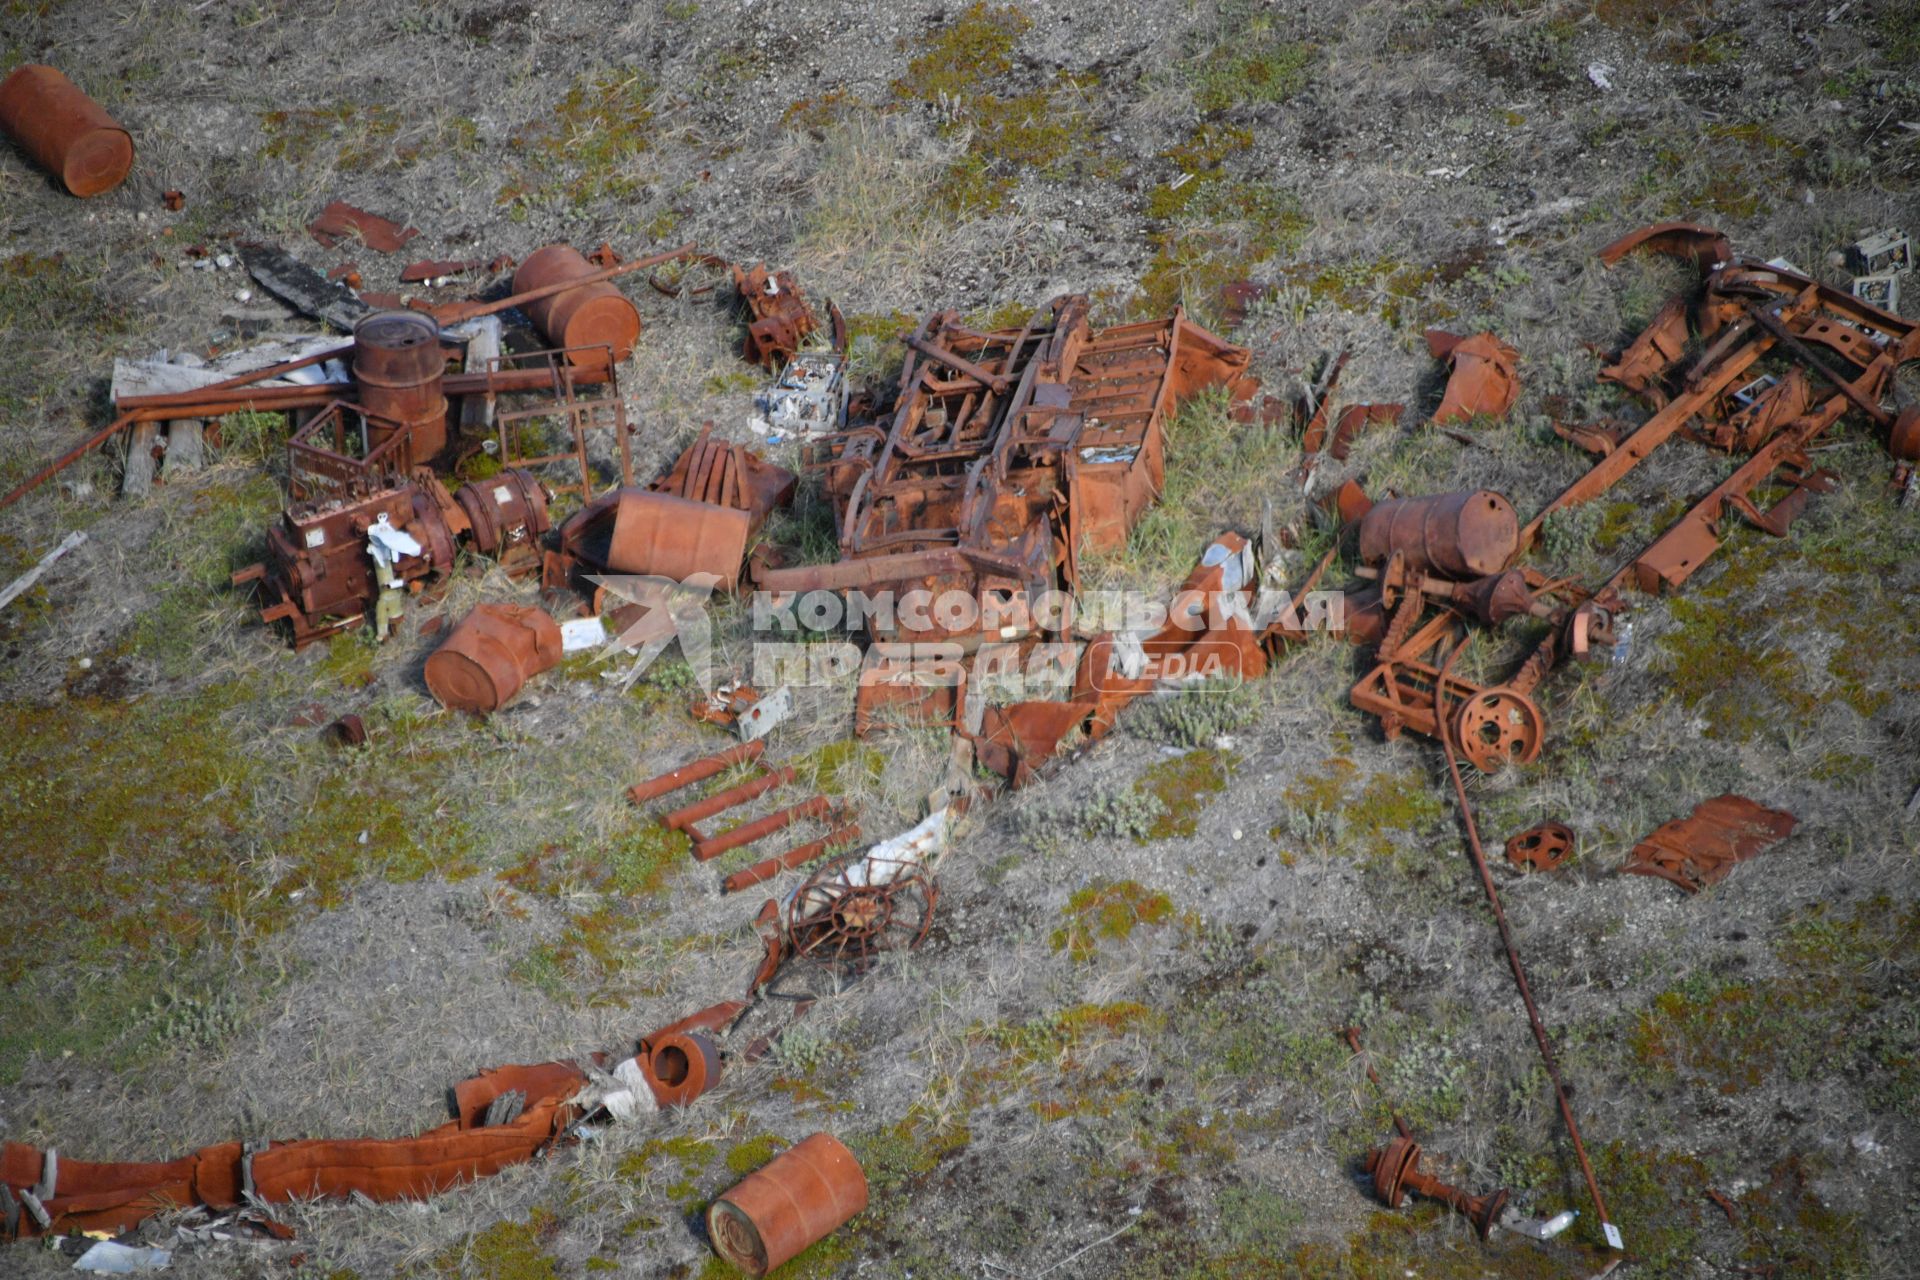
1742 312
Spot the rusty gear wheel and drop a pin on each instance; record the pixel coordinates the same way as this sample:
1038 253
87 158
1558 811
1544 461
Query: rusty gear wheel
1499 727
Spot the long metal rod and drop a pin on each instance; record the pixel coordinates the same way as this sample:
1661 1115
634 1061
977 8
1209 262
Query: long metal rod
1540 1037
1352 1035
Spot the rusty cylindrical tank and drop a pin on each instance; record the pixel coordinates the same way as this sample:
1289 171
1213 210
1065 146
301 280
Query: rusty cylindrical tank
493 651
397 370
504 511
65 131
593 315
1455 535
800 1197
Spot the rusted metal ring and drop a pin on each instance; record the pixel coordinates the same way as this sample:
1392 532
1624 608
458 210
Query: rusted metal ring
1499 727
1541 848
1390 1166
680 1067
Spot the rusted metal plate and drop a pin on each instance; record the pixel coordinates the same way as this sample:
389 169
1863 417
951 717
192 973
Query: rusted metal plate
1702 848
1485 380
341 221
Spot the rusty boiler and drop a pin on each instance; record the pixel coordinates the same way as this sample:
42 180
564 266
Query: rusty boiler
493 652
398 367
580 319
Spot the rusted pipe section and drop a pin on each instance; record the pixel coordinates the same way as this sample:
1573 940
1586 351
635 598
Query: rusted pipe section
1456 535
801 1197
798 856
1540 1037
679 1066
66 132
682 818
695 771
712 847
1396 1170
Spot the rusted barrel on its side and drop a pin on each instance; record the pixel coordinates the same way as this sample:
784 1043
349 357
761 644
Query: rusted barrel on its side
805 1194
493 651
505 510
593 315
66 132
397 371
1456 535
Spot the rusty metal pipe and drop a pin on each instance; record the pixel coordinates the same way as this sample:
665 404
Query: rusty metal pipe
798 856
733 797
66 132
935 351
1540 1036
711 848
695 771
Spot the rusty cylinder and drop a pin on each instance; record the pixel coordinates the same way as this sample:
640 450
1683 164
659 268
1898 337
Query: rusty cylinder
493 651
66 132
805 1194
397 371
593 315
1454 535
504 511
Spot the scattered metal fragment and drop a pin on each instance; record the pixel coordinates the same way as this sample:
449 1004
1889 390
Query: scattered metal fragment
765 715
1484 382
724 705
493 652
348 731
437 268
1395 1169
65 132
1702 246
1356 420
341 221
1701 849
778 315
1541 848
804 1195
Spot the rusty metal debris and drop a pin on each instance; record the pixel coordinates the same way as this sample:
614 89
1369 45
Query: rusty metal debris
1016 449
804 1195
340 221
1541 848
858 905
173 201
697 519
1703 246
1485 380
493 652
67 133
437 268
1701 849
779 317
1457 535
1395 1169
348 731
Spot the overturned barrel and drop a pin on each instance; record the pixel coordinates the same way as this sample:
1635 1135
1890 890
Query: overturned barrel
66 132
1455 535
583 318
493 652
398 368
777 1211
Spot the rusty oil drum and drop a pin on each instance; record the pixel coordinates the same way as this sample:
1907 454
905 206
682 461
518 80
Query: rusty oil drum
66 132
593 315
397 368
490 655
1456 535
802 1196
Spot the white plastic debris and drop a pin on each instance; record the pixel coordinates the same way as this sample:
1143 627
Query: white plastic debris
387 544
1602 76
582 633
108 1258
1536 1229
224 261
633 1098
